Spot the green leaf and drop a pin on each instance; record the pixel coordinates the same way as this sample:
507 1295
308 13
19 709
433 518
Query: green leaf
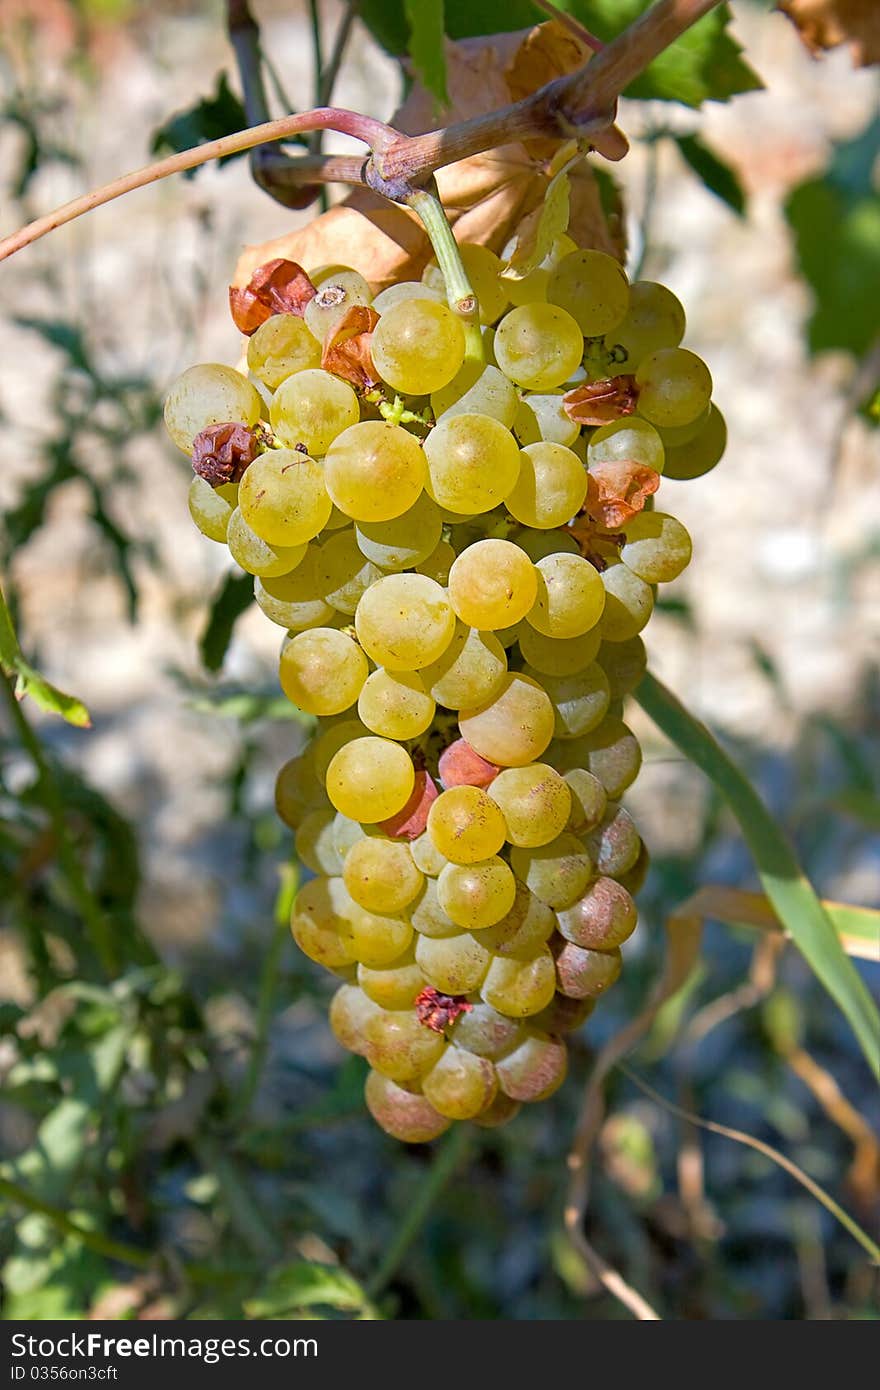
836 224
790 892
425 19
717 176
29 682
303 1285
236 594
211 118
703 64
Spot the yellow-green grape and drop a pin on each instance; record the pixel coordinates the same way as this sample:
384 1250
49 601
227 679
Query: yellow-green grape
209 394
350 1008
470 671
614 844
571 596
539 544
311 409
343 571
611 752
328 741
339 290
535 1069
322 671
486 1032
500 1112
514 727
526 928
377 938
345 832
402 1114
655 319
406 289
476 895
551 486
593 288
428 917
557 872
466 825
418 346
400 1047
406 540
581 701
538 346
396 704
281 346
675 435
629 602
535 803
509 636
460 1085
473 463
297 790
657 547
452 964
295 601
700 454
211 508
370 779
336 520
314 842
519 988
380 874
427 856
483 269
375 471
283 498
588 800
404 622
624 663
629 439
543 417
257 556
492 584
533 286
674 386
321 923
585 974
558 656
395 986
438 563
477 389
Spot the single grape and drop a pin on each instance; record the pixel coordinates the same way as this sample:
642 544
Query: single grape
349 1010
314 842
403 1115
375 471
466 825
602 919
538 346
471 669
476 895
500 1112
418 346
280 347
519 988
212 508
311 409
557 872
297 790
551 487
321 923
257 556
674 386
535 1069
396 985
571 596
580 701
461 765
538 545
428 917
209 394
406 540
345 833
700 454
460 1085
492 584
543 418
615 843
534 801
485 1032
624 663
629 602
396 704
477 389
380 874
558 656
295 601
563 1015
628 439
328 740
343 572
657 547
426 855
585 974
369 779
438 563
377 939
322 671
473 463
282 497
655 319
610 752
593 288
514 727
400 1047
588 800
405 622
452 964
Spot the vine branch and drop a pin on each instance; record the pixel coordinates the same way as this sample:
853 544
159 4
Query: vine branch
580 105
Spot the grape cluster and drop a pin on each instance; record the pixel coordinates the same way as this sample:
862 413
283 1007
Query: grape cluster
457 534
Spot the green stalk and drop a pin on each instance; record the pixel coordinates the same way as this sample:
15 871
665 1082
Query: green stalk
427 206
93 1240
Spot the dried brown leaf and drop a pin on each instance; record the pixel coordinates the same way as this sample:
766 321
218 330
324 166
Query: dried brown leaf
276 286
827 23
601 402
616 490
347 350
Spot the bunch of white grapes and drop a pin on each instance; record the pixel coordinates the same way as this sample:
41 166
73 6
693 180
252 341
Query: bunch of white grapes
464 632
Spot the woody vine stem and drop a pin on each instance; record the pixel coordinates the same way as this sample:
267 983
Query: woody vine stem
581 105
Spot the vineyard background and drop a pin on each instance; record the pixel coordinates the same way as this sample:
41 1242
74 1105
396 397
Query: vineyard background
770 636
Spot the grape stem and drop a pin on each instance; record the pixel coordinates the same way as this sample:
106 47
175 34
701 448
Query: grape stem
426 204
581 105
